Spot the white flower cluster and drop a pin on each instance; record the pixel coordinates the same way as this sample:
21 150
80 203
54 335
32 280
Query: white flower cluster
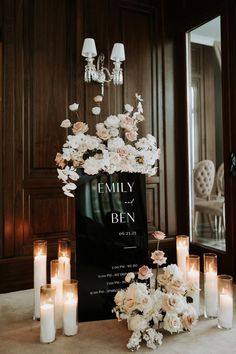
115 148
146 310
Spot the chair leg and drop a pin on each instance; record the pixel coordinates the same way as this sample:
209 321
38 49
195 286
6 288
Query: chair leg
196 220
210 223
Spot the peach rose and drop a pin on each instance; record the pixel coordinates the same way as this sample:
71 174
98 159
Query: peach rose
59 160
79 127
103 134
176 286
127 122
158 257
159 235
144 273
189 318
172 303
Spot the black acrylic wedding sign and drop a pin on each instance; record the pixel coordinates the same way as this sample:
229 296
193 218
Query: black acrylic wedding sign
111 231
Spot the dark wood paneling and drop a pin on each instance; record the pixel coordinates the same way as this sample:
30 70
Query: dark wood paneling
153 208
43 74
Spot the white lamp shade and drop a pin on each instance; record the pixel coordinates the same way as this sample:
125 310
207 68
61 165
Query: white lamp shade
89 48
118 52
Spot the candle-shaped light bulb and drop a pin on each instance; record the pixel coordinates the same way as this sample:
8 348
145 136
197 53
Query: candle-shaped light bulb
210 285
40 272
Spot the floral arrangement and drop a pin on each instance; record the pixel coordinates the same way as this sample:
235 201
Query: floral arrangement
115 148
167 306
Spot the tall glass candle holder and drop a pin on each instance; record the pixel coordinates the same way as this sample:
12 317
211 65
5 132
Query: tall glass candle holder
193 275
225 301
182 250
210 285
40 273
64 256
57 276
47 314
70 291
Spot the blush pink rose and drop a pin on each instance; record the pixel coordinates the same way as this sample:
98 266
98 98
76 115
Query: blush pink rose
144 273
127 122
159 235
122 152
158 257
131 135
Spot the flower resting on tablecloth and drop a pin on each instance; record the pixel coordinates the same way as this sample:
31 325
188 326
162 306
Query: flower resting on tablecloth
147 309
114 148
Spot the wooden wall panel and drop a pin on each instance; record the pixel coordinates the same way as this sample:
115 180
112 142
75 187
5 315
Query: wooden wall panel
152 200
43 74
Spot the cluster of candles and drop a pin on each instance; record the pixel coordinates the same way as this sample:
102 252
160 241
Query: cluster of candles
218 289
56 303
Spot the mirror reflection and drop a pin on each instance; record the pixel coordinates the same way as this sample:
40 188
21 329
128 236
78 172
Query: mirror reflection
205 135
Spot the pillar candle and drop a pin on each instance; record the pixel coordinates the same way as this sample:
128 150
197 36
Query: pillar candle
58 283
57 277
47 323
225 303
66 264
70 315
225 316
211 294
210 285
70 290
40 273
182 249
47 314
193 275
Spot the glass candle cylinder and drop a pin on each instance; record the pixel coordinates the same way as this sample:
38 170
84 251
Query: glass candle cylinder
57 276
64 256
193 275
182 250
40 273
47 314
210 285
225 301
70 291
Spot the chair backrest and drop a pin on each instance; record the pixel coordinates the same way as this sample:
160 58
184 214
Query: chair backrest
203 178
220 180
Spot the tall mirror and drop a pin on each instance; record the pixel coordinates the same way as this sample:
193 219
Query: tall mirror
205 135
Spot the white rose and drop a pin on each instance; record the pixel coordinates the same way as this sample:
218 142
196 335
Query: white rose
129 277
172 323
73 107
66 123
128 107
137 323
114 132
119 298
115 143
112 122
98 99
96 111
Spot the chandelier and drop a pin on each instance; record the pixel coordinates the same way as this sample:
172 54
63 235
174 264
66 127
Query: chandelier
99 73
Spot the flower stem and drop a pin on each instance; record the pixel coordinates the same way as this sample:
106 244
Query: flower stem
157 267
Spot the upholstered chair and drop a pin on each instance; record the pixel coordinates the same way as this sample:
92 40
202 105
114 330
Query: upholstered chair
205 202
